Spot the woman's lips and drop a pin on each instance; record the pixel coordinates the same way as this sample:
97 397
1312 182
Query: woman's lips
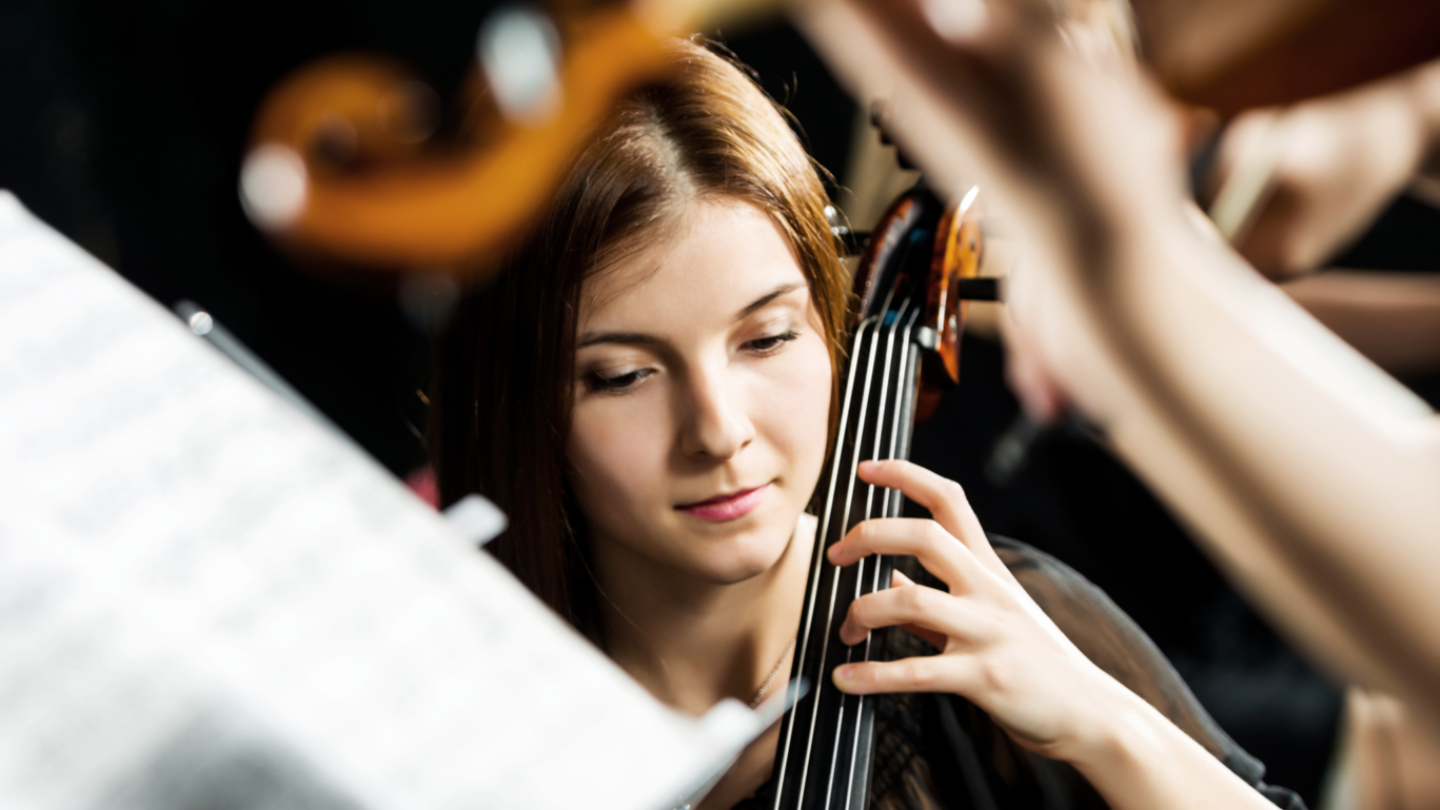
726 507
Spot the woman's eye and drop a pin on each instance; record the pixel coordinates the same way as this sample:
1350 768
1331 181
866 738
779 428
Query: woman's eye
619 383
772 343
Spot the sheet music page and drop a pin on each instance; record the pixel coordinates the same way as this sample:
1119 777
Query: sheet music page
207 600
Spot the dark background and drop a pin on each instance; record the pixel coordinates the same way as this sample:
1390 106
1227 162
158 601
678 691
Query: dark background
122 124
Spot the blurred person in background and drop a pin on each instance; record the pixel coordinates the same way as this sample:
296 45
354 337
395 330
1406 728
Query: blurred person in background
1336 164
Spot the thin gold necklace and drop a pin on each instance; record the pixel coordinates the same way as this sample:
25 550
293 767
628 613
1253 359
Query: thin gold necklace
774 673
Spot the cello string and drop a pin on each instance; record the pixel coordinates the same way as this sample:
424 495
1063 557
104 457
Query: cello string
897 418
892 319
895 415
882 415
902 391
857 448
818 561
907 419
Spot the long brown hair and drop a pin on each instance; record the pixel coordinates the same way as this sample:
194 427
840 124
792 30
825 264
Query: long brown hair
503 378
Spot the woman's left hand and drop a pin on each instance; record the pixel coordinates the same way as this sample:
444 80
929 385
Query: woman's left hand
997 648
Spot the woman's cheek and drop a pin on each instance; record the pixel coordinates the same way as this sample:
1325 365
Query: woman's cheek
607 450
800 404
594 451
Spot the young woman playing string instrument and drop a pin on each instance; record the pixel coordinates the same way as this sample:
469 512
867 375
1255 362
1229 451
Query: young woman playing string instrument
648 392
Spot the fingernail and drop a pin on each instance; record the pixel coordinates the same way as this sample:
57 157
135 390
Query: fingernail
844 673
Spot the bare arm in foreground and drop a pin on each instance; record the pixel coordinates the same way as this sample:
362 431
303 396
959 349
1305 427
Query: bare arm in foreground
1312 476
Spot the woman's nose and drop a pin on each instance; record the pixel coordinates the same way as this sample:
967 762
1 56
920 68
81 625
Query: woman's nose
716 424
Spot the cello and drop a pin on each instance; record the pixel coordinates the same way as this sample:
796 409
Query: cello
903 351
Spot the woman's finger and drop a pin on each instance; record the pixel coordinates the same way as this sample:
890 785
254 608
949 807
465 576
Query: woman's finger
931 637
934 639
916 605
937 673
944 498
932 545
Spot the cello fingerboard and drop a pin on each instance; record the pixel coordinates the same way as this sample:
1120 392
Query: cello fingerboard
826 740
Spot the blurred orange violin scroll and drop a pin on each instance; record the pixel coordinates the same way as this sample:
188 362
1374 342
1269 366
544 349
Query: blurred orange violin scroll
338 165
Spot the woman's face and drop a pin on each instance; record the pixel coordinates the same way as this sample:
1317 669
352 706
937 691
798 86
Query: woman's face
701 399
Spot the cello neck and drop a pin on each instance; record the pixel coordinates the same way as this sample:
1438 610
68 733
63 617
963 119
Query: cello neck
826 741
905 342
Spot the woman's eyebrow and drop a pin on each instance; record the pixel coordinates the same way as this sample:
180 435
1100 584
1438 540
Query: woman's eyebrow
765 299
642 339
629 338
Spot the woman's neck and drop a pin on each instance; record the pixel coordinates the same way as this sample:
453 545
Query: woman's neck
692 643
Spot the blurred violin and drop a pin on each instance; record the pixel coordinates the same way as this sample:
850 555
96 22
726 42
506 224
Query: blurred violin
340 164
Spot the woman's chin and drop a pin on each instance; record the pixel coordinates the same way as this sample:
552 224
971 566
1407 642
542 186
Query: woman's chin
735 574
733 563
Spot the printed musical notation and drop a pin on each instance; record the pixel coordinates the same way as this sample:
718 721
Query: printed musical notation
204 595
